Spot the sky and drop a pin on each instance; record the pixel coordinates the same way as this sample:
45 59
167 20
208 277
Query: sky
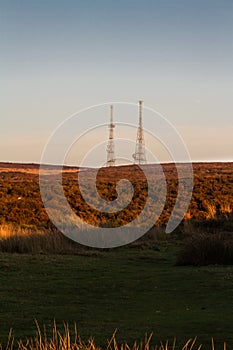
58 57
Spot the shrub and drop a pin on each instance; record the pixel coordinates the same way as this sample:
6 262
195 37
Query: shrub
206 248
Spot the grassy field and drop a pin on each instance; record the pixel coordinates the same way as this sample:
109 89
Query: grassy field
136 290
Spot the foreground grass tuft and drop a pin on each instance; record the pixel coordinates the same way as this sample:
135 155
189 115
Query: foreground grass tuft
67 340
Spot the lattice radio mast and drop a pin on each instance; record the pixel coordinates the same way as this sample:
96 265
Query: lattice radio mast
140 154
110 146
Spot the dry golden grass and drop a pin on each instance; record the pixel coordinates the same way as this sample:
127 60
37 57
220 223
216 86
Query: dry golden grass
187 215
226 209
9 230
211 210
65 341
16 239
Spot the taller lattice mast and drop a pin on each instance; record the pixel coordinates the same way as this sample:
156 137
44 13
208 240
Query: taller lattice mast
110 146
140 154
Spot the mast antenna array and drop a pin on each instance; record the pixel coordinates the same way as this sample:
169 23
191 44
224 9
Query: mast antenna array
140 154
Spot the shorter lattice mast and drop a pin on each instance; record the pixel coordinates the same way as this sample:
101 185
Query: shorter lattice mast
140 154
110 146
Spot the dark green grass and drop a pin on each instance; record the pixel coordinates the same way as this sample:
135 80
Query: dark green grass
134 290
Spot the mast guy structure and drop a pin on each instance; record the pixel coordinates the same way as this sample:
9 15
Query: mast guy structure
140 154
110 146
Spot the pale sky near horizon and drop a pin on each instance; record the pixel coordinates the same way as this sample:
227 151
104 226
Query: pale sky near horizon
58 57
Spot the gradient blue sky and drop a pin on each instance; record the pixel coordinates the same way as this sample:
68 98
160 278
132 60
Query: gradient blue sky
60 56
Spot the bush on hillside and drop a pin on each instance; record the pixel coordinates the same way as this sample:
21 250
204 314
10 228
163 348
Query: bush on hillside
206 249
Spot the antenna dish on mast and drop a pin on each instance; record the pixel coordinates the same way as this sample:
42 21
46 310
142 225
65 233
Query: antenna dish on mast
110 146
